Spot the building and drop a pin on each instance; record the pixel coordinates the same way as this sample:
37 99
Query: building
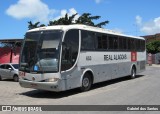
10 50
150 38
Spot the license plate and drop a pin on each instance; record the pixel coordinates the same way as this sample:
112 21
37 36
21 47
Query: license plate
33 85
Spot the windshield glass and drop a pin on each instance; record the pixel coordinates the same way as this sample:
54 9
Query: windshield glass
16 66
41 51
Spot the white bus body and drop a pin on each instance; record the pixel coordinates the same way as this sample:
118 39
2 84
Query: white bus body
59 58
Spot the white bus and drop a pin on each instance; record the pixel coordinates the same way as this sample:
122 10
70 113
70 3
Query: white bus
63 57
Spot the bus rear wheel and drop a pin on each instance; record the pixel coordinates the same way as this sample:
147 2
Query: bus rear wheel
86 82
133 72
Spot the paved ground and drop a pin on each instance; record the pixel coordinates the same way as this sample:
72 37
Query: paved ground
144 90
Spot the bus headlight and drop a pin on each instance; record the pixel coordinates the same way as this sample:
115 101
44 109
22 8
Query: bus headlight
52 80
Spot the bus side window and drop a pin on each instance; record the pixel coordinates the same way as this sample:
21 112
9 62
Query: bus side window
87 40
129 44
113 42
132 42
102 41
70 49
122 43
142 45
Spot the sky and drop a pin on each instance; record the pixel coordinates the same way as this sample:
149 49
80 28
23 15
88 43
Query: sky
132 17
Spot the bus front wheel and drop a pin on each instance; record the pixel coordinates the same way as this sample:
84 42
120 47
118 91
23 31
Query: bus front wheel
86 82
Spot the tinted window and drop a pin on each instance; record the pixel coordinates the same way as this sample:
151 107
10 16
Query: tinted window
2 66
113 42
8 66
138 45
102 41
16 66
70 49
99 41
132 43
129 43
121 45
123 41
142 45
87 40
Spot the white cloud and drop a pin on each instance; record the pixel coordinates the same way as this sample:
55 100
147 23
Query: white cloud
138 20
150 27
70 12
37 11
98 1
34 9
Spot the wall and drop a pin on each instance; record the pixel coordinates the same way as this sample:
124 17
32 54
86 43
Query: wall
7 55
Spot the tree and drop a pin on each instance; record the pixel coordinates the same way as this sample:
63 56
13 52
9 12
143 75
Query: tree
67 20
42 25
153 47
85 19
102 24
34 25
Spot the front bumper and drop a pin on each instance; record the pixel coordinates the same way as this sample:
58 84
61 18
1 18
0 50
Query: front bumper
50 86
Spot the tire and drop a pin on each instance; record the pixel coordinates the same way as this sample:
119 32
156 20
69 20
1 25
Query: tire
133 73
86 82
0 78
16 78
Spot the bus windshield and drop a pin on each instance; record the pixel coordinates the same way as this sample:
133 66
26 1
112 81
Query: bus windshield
40 51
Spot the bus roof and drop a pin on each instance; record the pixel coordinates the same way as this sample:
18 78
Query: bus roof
83 27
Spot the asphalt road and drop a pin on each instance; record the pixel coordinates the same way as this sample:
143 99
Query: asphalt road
143 90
